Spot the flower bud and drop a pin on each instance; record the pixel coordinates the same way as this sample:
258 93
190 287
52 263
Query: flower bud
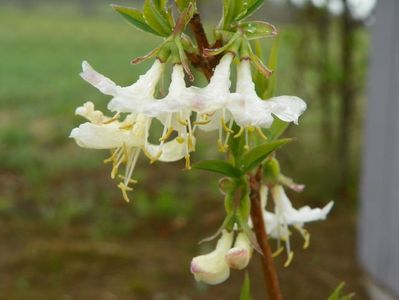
212 268
238 257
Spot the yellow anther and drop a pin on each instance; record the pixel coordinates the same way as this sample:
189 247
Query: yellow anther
125 152
111 158
154 159
167 135
305 234
201 122
130 180
251 129
225 127
240 133
278 252
181 121
221 147
127 126
260 132
124 188
114 118
289 259
188 163
180 140
246 147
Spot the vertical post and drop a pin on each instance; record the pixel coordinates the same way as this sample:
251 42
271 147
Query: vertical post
379 210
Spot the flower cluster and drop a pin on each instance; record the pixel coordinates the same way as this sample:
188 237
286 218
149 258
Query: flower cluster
182 111
214 267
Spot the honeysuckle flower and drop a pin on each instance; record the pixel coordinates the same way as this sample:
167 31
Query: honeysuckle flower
130 99
250 111
212 268
175 117
124 138
285 215
238 257
129 137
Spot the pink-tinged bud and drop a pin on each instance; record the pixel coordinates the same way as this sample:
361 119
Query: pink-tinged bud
212 268
238 257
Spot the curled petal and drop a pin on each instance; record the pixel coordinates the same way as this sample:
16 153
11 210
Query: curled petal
94 136
286 108
99 81
212 268
238 257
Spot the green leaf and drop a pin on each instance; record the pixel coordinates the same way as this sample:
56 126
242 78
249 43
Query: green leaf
232 8
258 29
251 7
336 295
156 19
272 64
246 288
277 129
218 166
236 145
182 4
134 17
256 155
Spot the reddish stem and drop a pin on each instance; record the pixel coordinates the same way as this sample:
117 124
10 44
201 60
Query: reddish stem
259 228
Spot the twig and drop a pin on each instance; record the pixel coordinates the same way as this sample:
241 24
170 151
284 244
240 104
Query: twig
269 269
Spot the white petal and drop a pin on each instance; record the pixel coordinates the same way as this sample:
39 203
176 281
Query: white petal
109 136
306 214
104 84
286 108
134 98
212 267
170 151
238 257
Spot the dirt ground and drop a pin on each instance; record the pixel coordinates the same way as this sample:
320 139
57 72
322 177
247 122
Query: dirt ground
153 262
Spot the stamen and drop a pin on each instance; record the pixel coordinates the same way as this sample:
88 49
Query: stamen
128 126
188 163
181 121
166 135
201 122
289 259
305 234
114 118
239 133
226 141
130 180
180 140
124 188
278 252
246 146
260 132
221 146
154 159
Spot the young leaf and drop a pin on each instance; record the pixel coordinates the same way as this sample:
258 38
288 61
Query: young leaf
134 17
272 64
155 19
252 6
231 8
246 288
276 130
182 4
256 155
258 29
218 166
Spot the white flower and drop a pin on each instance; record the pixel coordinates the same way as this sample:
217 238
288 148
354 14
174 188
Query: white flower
125 139
285 215
238 257
126 99
249 110
212 268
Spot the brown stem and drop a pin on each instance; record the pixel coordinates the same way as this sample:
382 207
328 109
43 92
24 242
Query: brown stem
206 64
269 269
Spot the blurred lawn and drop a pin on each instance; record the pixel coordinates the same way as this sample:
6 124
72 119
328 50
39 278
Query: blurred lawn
48 185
